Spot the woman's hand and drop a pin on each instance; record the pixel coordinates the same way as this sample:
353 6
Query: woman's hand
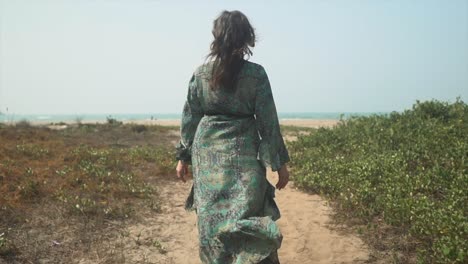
182 170
283 177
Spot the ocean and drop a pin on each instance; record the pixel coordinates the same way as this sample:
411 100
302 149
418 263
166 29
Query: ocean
158 116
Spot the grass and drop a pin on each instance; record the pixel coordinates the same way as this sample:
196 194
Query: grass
66 191
402 177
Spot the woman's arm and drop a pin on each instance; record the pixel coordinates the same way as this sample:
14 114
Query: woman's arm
272 150
191 116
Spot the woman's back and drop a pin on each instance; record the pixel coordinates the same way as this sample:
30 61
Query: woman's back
230 136
230 133
238 101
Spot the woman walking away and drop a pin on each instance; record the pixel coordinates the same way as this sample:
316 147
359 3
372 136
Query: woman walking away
230 133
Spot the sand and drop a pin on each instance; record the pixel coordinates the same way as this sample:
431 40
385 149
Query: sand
290 122
309 123
305 224
315 123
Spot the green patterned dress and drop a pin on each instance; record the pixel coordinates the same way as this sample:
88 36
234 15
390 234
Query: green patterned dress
230 137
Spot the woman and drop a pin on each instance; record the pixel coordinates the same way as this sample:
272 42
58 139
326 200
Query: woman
230 134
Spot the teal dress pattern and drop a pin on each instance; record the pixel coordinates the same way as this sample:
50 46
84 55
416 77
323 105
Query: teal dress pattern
230 137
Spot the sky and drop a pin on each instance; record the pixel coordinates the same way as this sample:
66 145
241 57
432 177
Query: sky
137 56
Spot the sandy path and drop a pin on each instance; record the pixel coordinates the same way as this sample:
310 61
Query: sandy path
171 237
304 221
174 229
307 238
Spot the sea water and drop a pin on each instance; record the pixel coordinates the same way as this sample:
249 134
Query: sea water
160 116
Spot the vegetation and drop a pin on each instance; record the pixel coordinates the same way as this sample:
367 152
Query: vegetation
23 123
113 121
405 170
79 120
75 181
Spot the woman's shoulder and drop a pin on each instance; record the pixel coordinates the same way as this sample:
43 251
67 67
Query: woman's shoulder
252 64
250 69
204 68
253 69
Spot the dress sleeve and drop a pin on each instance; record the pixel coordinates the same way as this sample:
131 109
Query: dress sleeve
272 150
191 115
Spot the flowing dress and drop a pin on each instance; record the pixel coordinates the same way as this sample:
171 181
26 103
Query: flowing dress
230 137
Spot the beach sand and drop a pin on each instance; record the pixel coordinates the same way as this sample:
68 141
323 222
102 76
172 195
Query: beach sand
288 122
311 123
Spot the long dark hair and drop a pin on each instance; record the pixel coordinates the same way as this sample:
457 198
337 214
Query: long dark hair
233 35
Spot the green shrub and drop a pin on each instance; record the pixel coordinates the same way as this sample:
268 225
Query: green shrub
139 128
99 179
162 157
409 168
79 120
6 247
23 123
113 121
32 150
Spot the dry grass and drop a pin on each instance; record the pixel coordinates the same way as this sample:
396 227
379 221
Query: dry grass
68 193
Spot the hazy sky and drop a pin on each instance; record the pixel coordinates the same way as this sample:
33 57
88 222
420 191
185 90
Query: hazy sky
137 56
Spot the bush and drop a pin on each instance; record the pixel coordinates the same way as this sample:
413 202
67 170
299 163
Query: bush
139 128
113 121
6 248
23 123
79 120
410 169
